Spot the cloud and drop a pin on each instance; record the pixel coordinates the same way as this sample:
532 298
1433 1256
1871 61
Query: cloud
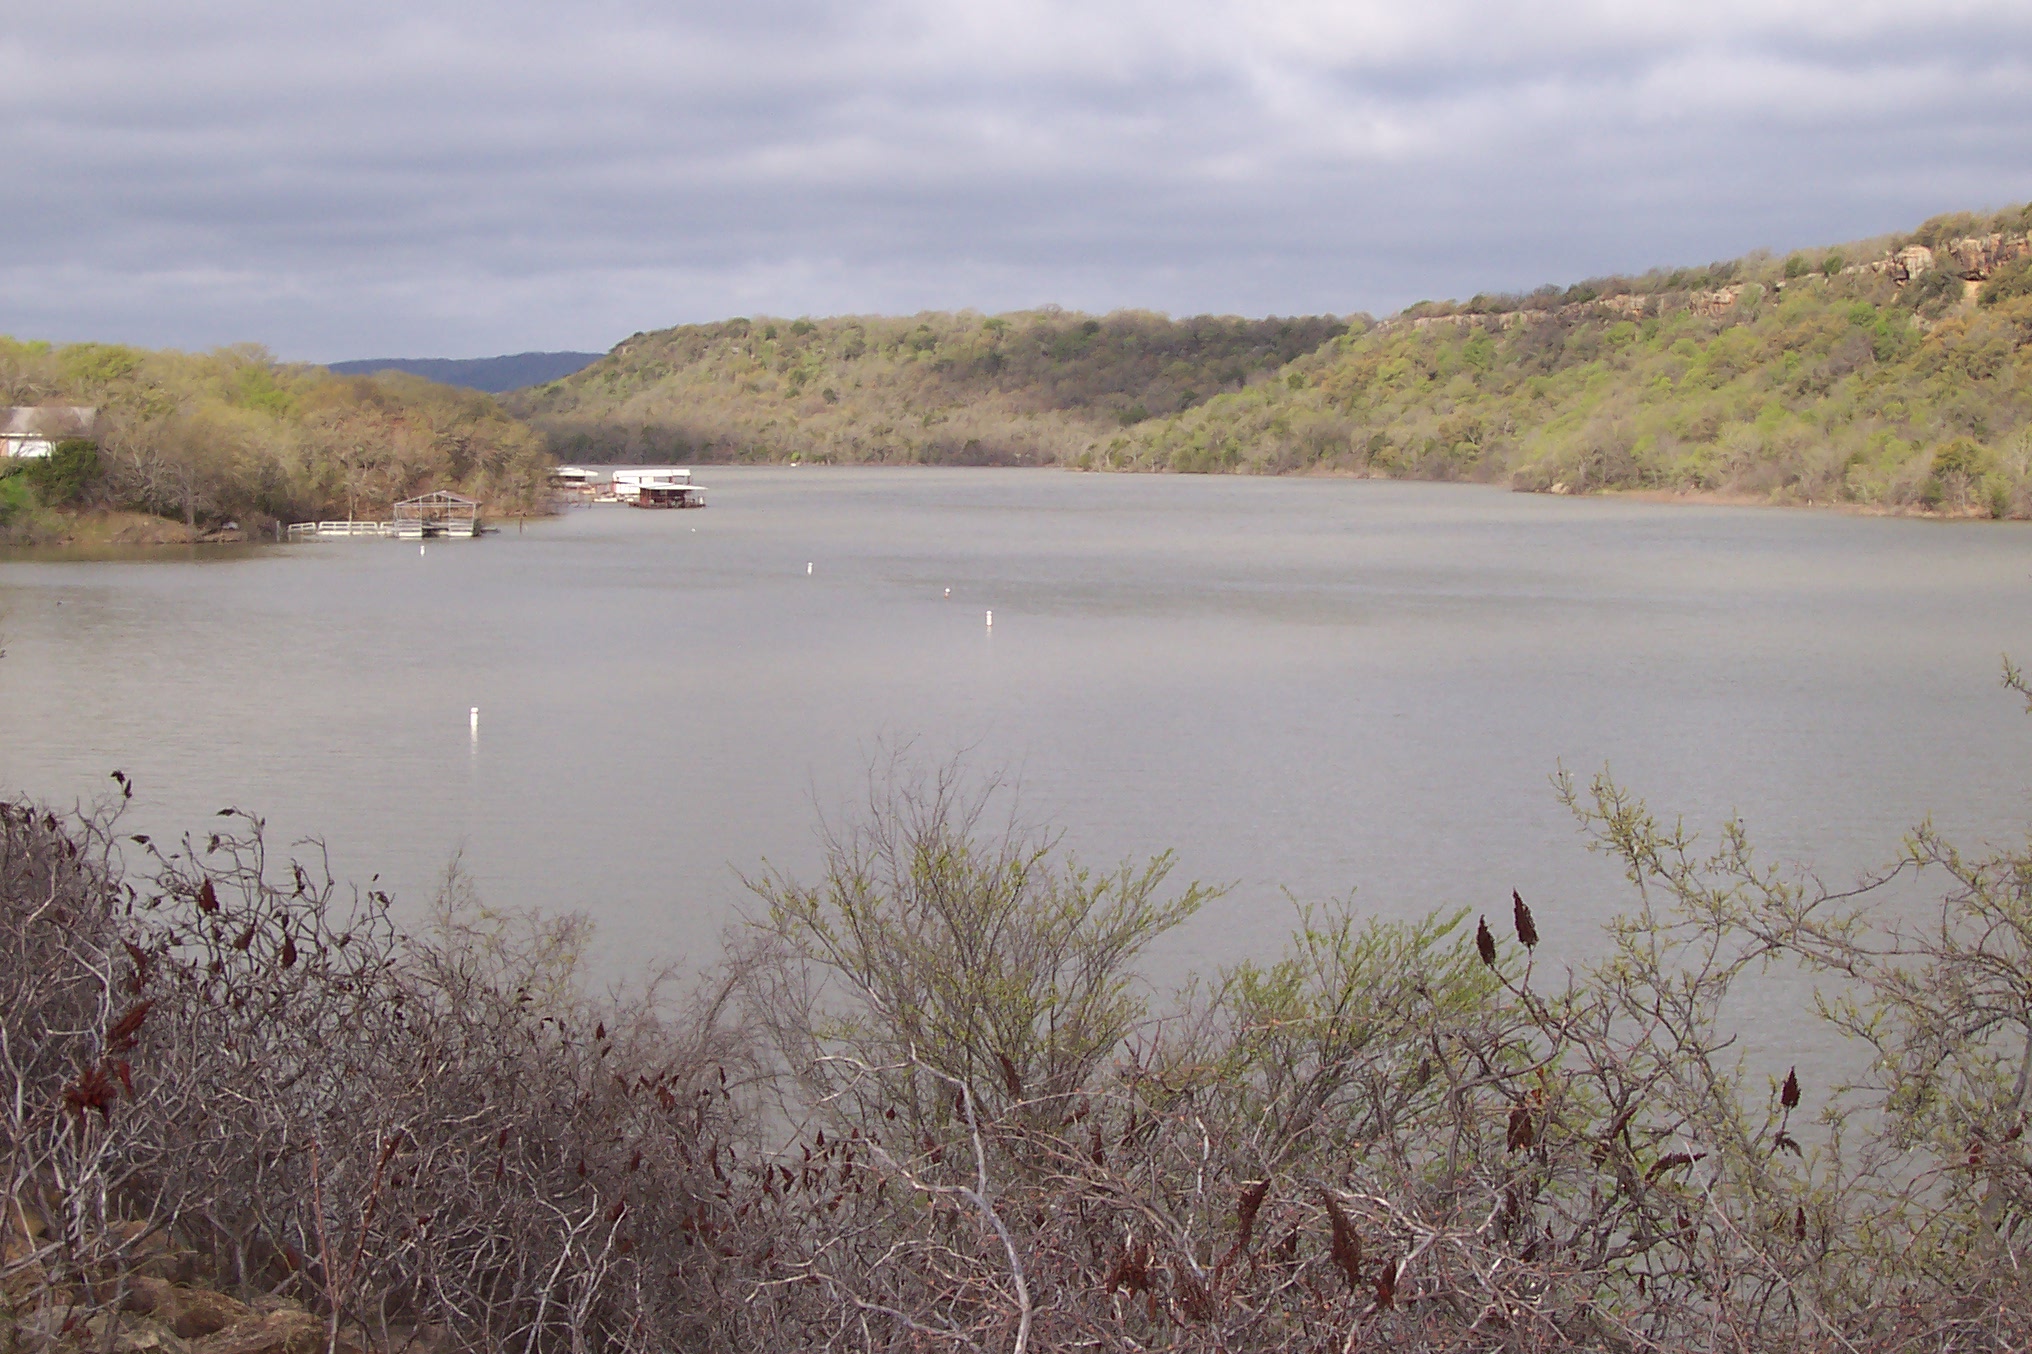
429 178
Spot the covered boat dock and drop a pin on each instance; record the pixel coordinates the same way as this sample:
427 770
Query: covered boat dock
437 514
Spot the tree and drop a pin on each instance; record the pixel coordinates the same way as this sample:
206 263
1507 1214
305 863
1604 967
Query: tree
356 444
65 476
180 466
2008 282
934 940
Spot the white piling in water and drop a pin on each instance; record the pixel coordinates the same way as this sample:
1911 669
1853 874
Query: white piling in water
422 549
991 620
473 722
807 569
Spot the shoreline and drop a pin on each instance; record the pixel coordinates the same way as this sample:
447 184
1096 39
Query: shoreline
102 529
1716 498
98 530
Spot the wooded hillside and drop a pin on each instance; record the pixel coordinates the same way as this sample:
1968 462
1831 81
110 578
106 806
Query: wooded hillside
234 435
1896 375
1892 372
1036 387
491 374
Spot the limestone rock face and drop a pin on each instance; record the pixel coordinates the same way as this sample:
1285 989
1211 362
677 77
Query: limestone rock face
1911 261
1979 255
1714 304
1975 258
1629 305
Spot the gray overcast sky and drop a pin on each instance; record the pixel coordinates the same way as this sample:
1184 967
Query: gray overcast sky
426 178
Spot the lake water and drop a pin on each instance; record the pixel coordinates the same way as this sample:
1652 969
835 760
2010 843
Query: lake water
1311 685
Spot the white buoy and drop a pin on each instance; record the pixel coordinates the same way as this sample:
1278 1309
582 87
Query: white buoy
807 567
474 720
991 620
948 592
421 549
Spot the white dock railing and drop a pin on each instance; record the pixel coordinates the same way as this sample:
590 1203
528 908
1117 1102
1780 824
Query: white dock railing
402 528
301 529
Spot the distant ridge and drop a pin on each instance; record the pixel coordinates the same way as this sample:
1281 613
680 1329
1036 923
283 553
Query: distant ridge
491 374
1893 374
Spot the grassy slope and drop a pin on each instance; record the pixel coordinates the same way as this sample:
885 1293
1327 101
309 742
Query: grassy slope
1029 388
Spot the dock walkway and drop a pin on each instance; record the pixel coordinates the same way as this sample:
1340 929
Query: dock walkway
299 530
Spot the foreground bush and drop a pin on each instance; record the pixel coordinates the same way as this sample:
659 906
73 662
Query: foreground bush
928 1105
402 1132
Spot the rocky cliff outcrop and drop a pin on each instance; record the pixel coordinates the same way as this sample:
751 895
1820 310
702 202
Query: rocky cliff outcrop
1974 258
1626 305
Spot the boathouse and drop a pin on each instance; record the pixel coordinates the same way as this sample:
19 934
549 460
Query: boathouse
437 514
665 486
668 496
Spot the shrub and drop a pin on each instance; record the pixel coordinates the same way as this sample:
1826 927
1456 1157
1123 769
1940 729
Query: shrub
982 958
1398 1129
398 1130
16 498
67 475
1934 292
1960 457
2009 282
